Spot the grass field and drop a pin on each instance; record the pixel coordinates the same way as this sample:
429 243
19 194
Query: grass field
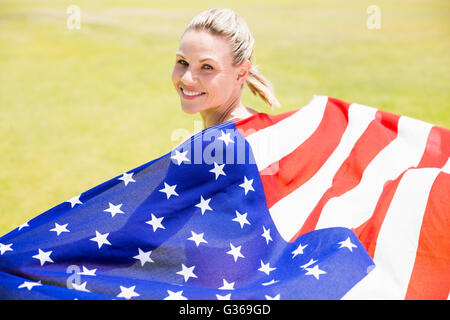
78 107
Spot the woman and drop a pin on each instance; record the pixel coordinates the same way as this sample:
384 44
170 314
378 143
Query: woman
212 64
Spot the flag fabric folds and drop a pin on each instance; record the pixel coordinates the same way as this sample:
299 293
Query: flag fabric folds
333 200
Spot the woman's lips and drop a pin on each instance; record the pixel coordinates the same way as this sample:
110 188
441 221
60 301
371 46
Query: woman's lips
191 94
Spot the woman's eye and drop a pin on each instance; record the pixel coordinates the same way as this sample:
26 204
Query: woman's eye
182 62
207 66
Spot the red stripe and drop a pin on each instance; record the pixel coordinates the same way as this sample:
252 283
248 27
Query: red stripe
430 278
437 149
260 121
379 133
369 230
436 154
301 164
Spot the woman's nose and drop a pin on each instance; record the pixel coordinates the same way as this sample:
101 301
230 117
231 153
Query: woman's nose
188 77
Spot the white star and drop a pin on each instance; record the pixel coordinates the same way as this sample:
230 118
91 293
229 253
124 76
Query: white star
315 271
299 250
277 297
204 204
43 256
227 285
58 228
225 297
155 223
143 257
5 247
247 185
241 218
29 285
127 178
75 200
266 235
100 239
23 225
347 243
169 190
218 170
114 209
306 265
187 272
235 252
225 137
180 157
265 267
87 272
197 238
127 293
175 295
80 287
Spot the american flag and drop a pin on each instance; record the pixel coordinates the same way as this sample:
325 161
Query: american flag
288 206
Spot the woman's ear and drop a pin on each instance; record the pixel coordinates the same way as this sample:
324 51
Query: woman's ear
243 71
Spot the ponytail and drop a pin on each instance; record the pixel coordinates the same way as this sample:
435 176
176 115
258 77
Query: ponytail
260 86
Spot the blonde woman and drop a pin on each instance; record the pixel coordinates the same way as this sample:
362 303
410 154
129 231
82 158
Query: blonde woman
213 62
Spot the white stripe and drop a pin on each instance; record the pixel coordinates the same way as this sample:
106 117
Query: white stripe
271 144
354 207
290 213
446 168
398 239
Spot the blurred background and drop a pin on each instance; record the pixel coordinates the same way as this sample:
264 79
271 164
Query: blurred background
81 106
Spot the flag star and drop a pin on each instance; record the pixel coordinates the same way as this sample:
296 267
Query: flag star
225 137
277 297
299 250
29 285
127 178
235 252
155 223
114 209
197 238
311 262
75 200
225 297
127 293
169 190
187 272
180 157
266 235
24 225
265 267
80 287
218 170
43 256
5 247
227 285
315 271
60 228
101 239
87 272
347 243
204 204
175 295
241 218
143 257
247 185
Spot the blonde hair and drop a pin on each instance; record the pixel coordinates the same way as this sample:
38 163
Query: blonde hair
226 23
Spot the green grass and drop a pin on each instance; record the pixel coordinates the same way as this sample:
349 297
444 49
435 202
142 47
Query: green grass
80 107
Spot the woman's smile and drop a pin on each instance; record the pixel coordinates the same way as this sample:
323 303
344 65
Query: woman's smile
191 94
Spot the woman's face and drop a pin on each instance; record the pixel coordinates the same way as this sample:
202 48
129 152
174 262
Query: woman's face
203 74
